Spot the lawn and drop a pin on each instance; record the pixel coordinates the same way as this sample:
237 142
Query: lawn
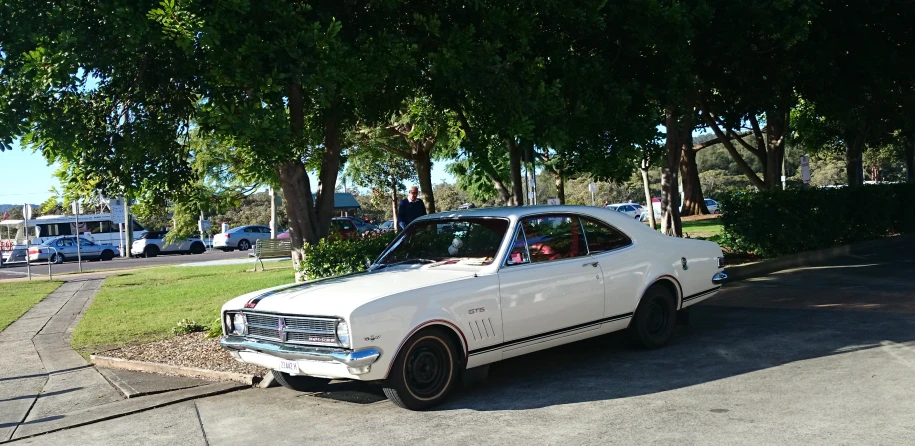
17 297
141 306
702 228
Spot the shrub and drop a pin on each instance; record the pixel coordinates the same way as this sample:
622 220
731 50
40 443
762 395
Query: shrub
186 326
334 256
215 329
774 223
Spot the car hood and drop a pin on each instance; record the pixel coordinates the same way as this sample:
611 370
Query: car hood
339 296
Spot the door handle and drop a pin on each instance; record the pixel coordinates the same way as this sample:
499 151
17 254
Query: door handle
594 264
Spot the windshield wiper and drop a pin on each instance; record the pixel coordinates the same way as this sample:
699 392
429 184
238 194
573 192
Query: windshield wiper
406 262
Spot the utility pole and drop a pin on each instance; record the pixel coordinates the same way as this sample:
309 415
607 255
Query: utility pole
128 229
79 254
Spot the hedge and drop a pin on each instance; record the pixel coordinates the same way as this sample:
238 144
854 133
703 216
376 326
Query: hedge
774 223
334 256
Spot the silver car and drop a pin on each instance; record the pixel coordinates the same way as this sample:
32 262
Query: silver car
61 249
241 238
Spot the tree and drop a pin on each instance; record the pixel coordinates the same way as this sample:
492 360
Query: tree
449 196
380 170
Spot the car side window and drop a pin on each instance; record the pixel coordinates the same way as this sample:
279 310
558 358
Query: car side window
603 237
518 254
249 230
65 242
346 224
84 242
553 237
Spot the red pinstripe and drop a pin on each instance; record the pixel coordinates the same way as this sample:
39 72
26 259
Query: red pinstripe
420 326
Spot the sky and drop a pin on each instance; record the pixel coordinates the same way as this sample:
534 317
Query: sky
26 177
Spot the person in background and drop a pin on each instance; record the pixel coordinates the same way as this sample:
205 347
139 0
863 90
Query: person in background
410 208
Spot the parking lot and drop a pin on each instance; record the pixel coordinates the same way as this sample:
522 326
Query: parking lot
821 355
13 272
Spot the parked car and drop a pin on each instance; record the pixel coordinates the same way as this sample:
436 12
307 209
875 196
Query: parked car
284 234
497 283
64 249
386 226
344 225
360 225
631 209
153 243
712 206
241 237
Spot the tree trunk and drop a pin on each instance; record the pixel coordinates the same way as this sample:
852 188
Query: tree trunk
776 129
560 185
422 162
514 162
670 190
327 177
693 200
855 136
651 218
300 210
910 159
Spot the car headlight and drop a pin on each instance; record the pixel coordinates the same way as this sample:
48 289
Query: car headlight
343 333
239 327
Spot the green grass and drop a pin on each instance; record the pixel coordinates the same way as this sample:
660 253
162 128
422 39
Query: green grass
142 306
17 297
702 228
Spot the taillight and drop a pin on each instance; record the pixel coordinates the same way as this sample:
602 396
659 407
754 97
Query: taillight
34 250
721 262
227 235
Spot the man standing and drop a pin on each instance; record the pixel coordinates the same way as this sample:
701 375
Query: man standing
410 208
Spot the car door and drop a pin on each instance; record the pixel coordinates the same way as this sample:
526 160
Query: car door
65 247
87 249
549 287
623 268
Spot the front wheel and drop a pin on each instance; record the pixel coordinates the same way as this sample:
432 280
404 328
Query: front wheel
151 251
299 383
654 320
107 255
425 371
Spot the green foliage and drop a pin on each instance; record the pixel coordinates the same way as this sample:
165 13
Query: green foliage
187 326
215 329
334 256
774 223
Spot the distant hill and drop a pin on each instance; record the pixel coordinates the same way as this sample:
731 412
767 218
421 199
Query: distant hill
5 207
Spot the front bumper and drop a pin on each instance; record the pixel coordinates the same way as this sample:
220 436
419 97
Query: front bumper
357 362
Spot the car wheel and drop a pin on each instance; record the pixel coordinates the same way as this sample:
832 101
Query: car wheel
107 255
654 320
151 251
717 211
425 371
300 383
244 245
197 248
57 259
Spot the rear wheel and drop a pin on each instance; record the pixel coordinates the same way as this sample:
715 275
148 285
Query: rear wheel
151 251
197 248
107 254
425 371
299 383
244 245
654 320
57 258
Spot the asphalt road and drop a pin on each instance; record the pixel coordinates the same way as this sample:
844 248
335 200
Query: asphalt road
118 263
815 356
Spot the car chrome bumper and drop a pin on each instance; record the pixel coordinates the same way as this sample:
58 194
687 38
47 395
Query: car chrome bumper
719 278
357 361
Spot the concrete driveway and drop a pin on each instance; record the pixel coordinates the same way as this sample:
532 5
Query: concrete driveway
814 356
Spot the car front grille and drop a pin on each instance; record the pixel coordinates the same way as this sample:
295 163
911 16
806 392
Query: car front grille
292 329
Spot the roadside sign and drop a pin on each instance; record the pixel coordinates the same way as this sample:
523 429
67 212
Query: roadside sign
77 209
552 201
117 210
27 212
805 169
204 225
592 187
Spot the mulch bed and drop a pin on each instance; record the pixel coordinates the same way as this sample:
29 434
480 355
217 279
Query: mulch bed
192 350
701 217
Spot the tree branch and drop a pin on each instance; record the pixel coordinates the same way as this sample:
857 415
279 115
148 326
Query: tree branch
714 141
741 163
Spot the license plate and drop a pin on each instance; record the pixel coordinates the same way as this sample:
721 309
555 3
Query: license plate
291 367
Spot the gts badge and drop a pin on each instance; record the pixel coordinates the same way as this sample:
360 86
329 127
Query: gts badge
372 337
476 310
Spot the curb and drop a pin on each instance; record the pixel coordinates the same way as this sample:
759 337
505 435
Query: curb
811 258
192 372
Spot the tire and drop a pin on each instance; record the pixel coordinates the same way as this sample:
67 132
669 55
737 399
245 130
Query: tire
299 383
57 259
107 255
717 211
151 251
198 248
654 320
244 245
425 371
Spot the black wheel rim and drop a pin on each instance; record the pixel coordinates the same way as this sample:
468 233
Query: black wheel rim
427 368
657 319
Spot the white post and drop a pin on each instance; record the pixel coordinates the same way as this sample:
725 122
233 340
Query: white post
26 214
121 238
273 228
128 229
79 254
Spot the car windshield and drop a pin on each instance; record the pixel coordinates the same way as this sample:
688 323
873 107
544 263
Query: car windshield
467 241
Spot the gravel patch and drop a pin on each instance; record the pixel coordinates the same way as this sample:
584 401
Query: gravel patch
192 350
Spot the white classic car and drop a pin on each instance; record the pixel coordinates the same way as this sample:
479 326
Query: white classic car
463 289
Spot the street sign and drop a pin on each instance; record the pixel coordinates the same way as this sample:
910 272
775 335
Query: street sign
117 210
27 212
592 187
552 201
204 225
805 169
77 209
